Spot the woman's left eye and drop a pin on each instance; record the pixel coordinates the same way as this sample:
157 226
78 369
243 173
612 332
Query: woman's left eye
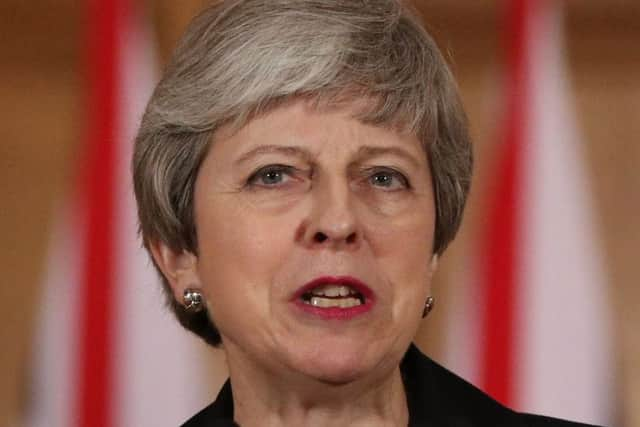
388 179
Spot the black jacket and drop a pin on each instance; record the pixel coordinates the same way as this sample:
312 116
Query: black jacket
435 397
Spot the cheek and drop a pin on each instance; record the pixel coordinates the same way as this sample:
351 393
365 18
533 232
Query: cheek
403 248
407 238
239 253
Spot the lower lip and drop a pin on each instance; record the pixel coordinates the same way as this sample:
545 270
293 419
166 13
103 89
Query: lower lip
335 313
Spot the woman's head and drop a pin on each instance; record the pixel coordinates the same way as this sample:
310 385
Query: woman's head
244 60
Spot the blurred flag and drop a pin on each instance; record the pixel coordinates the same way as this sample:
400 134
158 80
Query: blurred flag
537 317
108 353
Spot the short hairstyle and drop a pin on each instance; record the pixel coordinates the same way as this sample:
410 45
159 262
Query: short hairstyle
241 58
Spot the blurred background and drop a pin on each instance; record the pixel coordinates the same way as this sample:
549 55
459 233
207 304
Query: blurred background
538 300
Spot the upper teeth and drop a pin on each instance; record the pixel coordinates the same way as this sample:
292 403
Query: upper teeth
337 302
333 291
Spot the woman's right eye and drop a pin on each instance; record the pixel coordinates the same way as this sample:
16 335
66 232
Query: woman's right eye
271 176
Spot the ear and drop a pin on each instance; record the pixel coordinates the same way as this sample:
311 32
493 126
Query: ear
180 269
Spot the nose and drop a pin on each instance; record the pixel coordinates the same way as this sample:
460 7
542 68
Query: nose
332 221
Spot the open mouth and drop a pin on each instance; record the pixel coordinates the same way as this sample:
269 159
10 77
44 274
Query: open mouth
333 296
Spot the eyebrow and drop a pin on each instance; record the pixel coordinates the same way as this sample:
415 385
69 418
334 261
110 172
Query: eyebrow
368 151
295 151
303 153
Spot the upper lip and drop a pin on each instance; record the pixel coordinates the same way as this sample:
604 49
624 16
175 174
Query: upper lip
352 282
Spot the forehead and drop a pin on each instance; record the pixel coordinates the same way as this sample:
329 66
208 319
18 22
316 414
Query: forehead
316 126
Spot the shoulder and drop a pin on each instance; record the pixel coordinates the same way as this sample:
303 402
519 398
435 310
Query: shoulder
530 420
438 396
209 417
217 414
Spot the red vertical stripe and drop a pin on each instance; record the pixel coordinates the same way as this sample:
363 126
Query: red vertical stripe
502 242
95 389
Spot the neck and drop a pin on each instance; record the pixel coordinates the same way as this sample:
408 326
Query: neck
268 399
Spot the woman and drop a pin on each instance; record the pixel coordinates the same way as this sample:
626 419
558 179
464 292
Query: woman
299 169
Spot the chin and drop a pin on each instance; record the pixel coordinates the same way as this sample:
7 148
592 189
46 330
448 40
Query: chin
338 363
337 370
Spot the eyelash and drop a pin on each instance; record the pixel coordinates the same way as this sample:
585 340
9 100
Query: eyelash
283 170
371 173
263 171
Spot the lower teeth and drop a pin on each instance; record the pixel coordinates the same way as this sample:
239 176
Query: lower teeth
337 302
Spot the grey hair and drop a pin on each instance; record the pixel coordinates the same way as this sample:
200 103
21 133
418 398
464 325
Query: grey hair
242 58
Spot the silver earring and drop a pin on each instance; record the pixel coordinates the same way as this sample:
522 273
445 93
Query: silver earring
428 306
192 300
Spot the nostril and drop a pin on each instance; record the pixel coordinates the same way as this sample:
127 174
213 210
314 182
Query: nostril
320 237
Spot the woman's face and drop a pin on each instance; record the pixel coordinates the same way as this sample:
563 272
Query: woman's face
315 234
